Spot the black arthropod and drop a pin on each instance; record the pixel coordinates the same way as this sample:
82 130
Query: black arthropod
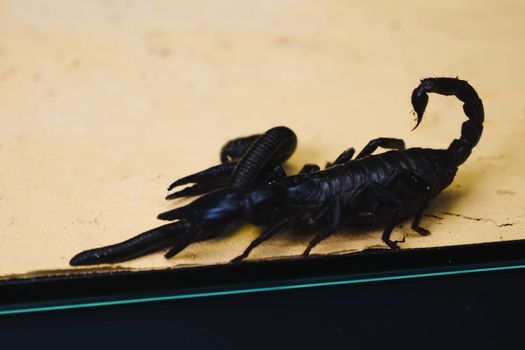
251 185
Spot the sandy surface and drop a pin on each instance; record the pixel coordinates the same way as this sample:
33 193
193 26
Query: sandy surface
104 103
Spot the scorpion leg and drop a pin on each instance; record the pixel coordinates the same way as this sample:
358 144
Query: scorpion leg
336 220
390 201
385 142
343 157
421 187
265 235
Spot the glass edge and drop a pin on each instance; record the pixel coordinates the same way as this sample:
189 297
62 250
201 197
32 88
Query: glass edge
235 290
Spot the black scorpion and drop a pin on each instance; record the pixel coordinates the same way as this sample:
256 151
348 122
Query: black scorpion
251 185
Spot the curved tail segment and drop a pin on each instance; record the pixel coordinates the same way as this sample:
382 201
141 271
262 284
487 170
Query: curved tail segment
471 130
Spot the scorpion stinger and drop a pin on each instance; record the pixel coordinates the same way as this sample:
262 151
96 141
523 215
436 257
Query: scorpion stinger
471 129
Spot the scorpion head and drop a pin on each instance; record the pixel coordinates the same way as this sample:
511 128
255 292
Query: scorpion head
227 205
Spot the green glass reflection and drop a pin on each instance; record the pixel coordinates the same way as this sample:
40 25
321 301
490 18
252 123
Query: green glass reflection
233 291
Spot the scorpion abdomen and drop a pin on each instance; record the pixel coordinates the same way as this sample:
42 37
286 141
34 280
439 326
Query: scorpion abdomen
354 181
432 165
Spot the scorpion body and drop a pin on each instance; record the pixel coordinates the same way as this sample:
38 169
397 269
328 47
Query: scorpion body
251 185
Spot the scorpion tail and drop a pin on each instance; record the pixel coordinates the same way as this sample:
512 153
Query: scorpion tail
471 130
147 242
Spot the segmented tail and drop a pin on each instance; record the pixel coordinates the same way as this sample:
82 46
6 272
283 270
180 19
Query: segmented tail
471 130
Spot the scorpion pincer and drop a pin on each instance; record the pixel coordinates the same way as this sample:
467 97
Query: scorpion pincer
251 185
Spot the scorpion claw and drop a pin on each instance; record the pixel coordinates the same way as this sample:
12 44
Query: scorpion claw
174 214
194 190
183 181
142 244
204 181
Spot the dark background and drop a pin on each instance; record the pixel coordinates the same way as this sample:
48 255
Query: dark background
468 310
